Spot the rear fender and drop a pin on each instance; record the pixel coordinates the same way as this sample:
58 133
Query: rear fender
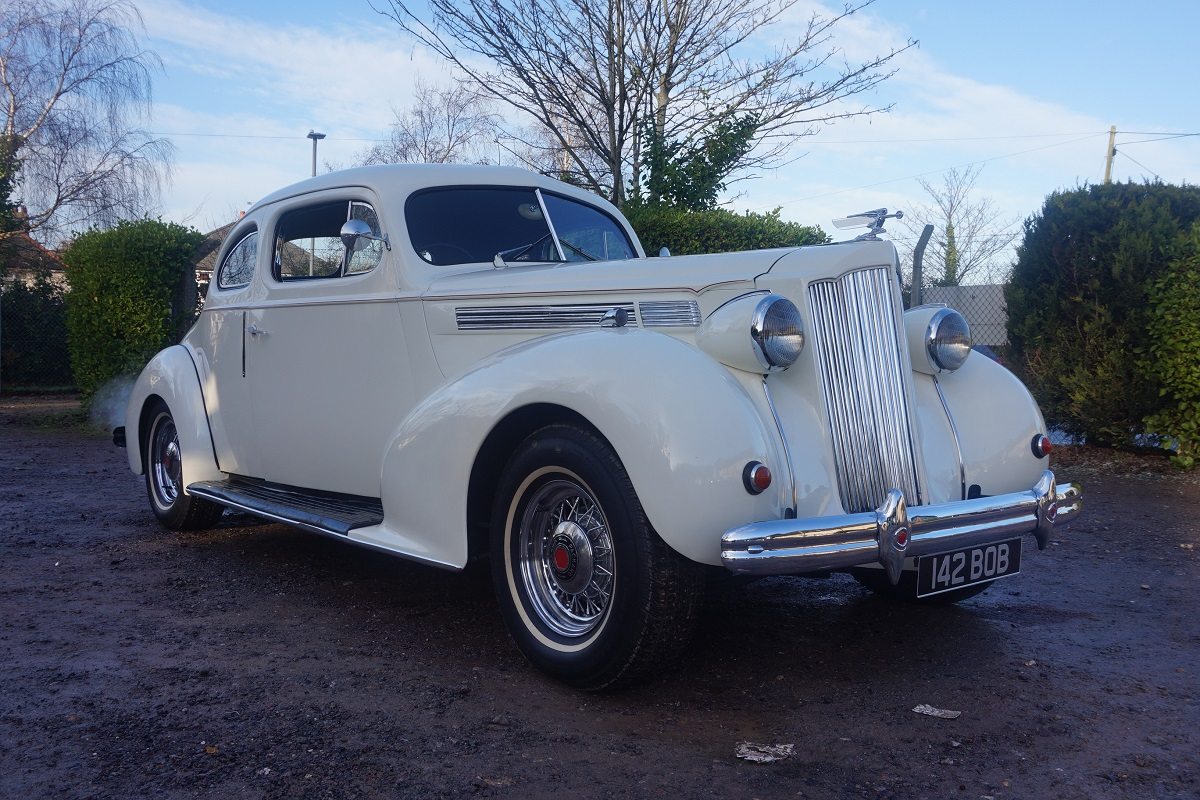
171 376
682 426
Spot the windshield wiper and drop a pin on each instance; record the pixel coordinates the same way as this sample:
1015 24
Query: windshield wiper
579 250
515 253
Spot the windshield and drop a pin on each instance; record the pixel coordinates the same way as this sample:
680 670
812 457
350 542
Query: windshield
469 224
586 233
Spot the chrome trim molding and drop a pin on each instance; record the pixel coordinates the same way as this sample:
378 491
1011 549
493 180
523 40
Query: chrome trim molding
893 532
787 448
550 224
670 313
862 355
962 464
494 318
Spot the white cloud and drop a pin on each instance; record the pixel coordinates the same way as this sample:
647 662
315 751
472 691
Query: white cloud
234 75
879 157
238 77
346 74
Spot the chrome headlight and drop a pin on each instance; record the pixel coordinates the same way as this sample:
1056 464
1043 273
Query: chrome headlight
778 332
948 339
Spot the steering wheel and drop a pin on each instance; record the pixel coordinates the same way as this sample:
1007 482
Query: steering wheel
432 247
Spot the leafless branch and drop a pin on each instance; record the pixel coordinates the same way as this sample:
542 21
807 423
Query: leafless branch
971 237
76 94
443 125
592 71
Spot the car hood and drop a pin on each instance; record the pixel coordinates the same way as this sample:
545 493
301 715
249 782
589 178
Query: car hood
691 273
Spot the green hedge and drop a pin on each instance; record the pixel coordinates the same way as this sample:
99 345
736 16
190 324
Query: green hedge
125 302
1174 355
716 231
1092 273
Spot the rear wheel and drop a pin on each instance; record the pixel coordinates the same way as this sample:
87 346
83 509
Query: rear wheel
174 508
877 581
590 593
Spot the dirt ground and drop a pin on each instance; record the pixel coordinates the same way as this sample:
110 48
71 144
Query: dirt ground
258 661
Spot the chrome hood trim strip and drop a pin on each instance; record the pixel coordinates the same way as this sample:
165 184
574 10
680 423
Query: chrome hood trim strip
491 318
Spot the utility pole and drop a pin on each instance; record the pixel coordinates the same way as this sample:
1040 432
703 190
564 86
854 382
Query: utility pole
1112 151
315 137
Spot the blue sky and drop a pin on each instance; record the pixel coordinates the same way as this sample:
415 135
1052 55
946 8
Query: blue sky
1028 89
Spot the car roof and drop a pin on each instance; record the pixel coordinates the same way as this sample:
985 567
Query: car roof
407 178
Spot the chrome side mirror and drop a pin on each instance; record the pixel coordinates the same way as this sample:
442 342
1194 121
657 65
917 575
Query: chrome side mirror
356 233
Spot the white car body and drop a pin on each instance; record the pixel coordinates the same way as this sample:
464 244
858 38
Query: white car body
401 383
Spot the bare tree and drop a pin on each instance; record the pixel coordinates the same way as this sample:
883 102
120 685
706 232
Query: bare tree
75 88
590 72
443 126
971 237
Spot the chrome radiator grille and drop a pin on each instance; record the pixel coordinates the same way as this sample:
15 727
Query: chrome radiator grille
863 361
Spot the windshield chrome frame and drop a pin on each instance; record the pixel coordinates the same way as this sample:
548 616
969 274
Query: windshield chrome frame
550 224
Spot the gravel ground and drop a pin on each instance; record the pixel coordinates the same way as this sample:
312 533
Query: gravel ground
257 661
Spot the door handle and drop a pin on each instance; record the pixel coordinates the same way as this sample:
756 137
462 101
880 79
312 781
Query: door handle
256 331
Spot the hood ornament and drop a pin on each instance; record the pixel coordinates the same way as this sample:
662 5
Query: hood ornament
871 220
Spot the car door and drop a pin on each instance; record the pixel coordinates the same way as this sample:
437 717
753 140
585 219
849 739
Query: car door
329 362
227 394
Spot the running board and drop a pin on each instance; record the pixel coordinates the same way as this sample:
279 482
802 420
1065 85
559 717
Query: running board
321 512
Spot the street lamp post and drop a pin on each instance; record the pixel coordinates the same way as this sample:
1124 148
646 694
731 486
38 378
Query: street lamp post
315 137
312 243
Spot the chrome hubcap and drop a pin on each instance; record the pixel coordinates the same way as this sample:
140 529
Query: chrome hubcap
165 462
566 558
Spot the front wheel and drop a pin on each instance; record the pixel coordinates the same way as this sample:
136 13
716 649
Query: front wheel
590 593
174 508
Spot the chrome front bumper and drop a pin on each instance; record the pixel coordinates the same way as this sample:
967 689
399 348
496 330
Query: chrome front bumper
893 532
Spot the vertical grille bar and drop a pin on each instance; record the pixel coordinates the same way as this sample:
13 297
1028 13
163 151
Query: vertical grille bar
863 363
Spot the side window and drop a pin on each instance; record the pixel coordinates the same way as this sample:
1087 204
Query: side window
308 242
238 266
587 233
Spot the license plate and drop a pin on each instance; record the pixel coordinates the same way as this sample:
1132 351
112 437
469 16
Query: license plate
958 568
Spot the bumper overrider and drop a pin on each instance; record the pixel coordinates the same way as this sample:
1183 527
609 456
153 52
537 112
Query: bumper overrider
894 532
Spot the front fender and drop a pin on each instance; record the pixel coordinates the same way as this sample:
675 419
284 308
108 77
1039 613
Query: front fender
171 375
683 428
996 419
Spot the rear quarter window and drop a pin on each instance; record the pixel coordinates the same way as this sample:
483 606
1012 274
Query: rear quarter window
238 267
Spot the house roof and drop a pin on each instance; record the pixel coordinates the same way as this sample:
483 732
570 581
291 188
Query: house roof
206 254
22 253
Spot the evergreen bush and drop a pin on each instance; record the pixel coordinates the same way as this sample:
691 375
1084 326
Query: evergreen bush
125 302
716 230
33 335
1090 270
1174 354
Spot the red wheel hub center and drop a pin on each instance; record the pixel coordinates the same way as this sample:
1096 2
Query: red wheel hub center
562 558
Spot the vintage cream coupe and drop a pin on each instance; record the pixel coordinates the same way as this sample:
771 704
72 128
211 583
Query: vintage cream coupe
448 363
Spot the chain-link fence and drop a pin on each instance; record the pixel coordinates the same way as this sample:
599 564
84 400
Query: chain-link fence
983 306
33 334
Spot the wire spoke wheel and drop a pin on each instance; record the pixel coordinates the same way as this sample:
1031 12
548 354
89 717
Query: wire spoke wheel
566 558
590 593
